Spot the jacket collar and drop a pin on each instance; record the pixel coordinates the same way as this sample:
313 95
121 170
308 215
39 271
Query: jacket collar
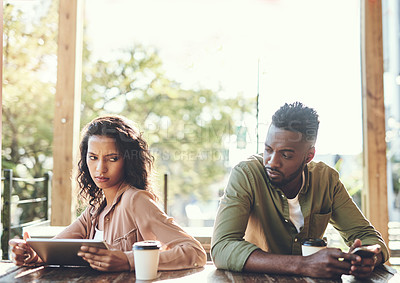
94 211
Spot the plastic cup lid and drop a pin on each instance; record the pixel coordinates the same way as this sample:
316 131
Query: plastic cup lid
314 242
147 245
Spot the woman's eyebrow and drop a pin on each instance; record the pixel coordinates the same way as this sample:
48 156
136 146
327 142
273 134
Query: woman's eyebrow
107 155
111 154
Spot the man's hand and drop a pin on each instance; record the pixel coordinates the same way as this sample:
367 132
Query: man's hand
104 260
22 254
328 263
363 267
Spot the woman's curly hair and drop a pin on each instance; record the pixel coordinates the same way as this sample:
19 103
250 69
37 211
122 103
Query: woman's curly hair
138 161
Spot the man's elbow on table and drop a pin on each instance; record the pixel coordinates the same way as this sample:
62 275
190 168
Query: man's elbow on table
218 258
232 258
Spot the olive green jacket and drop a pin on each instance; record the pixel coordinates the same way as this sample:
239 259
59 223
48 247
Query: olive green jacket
254 214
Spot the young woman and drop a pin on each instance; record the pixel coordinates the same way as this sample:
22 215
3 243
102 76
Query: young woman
113 176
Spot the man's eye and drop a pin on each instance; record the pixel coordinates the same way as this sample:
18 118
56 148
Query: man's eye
268 150
286 156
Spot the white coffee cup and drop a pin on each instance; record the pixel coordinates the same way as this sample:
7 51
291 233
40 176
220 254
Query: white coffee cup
146 256
311 245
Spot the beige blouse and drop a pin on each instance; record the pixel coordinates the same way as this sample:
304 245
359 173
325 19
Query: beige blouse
135 216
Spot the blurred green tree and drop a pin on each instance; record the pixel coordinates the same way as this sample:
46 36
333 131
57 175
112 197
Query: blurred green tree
29 64
28 88
187 129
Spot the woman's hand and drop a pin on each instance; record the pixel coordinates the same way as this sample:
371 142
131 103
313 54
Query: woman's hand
22 254
363 267
104 260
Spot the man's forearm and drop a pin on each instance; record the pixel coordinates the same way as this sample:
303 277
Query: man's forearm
260 261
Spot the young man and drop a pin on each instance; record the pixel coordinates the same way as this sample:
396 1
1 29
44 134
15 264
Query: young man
274 201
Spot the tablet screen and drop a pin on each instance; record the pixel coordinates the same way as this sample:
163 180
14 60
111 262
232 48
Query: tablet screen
62 251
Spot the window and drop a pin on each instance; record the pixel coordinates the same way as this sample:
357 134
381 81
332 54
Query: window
189 73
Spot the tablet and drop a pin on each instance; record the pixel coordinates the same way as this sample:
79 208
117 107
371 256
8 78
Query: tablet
62 251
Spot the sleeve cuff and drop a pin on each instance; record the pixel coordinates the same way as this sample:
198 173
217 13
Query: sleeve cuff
131 260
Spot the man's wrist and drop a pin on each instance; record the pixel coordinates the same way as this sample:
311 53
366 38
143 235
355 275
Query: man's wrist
298 267
378 259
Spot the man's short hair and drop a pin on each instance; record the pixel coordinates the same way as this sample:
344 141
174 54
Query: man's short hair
297 117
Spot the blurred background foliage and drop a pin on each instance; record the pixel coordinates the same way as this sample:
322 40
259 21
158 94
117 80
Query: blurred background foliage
187 129
28 89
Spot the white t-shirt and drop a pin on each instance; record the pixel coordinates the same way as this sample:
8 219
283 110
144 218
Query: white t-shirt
296 216
98 235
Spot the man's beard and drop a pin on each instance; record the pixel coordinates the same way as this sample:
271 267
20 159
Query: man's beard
290 178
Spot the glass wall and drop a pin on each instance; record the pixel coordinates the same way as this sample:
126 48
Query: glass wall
391 53
30 30
203 78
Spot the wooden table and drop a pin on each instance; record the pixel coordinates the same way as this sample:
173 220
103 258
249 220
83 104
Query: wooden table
11 273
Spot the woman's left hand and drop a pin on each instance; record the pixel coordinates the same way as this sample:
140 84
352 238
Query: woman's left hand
104 260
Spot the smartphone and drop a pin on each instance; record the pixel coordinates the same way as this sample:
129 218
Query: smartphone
363 252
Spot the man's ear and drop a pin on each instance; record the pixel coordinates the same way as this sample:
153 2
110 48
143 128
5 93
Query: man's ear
310 154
